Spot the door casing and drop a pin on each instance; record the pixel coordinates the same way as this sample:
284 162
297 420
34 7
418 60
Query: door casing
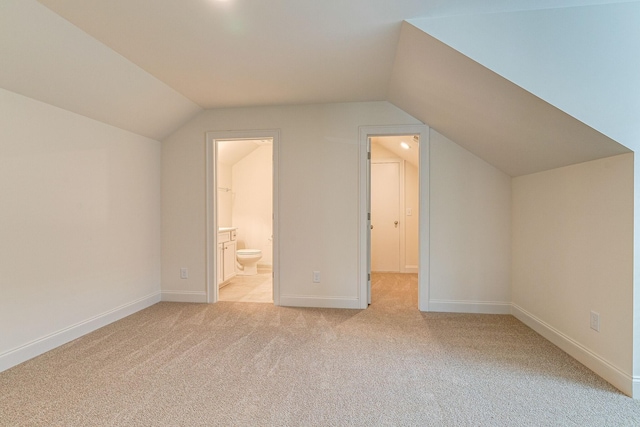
212 208
364 222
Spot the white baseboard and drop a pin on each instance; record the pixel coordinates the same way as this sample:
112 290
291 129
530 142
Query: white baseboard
322 302
37 347
477 307
635 387
624 382
184 296
411 269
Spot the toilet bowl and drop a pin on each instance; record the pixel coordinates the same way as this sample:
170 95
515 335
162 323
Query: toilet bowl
248 261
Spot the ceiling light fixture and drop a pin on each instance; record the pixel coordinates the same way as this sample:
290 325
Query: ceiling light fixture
404 145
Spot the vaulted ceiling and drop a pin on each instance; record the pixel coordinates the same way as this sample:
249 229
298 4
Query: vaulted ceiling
148 66
244 53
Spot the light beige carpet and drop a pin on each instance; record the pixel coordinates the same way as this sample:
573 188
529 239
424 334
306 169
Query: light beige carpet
252 364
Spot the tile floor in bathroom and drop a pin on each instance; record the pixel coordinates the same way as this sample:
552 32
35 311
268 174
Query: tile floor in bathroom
256 288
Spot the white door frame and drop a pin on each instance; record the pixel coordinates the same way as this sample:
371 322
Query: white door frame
364 224
211 154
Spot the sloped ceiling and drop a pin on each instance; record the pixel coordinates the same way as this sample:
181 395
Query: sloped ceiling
149 66
392 145
584 60
46 58
248 53
488 115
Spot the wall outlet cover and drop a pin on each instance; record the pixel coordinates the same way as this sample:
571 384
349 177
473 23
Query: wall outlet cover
594 321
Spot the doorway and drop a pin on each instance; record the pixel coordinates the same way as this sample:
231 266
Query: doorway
244 210
394 205
242 255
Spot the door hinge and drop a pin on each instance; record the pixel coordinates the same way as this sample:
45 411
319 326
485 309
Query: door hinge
369 277
368 155
369 216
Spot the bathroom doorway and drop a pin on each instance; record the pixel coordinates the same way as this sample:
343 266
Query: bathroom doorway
241 237
394 204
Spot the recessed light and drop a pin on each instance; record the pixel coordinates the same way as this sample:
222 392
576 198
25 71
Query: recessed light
404 145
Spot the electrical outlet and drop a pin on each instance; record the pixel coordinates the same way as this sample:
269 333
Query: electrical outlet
595 321
316 277
184 273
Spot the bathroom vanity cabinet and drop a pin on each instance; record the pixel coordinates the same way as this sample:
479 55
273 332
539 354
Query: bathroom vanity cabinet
226 255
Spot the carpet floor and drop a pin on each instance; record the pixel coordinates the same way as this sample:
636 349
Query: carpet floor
253 364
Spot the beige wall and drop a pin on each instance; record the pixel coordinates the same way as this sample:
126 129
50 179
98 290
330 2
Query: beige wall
470 216
79 225
318 193
573 253
252 202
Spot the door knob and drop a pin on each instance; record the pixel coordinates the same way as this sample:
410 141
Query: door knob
372 227
395 223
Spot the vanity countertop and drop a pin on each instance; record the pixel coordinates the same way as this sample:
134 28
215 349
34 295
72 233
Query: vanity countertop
225 229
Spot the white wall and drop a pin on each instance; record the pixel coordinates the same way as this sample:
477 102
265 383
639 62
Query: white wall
79 225
573 253
252 202
225 198
470 231
318 184
318 212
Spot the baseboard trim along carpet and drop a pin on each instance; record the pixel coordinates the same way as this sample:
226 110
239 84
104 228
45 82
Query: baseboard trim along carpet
623 382
475 307
411 269
321 302
37 347
184 296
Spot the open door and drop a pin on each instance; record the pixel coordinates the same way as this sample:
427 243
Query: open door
386 221
368 233
420 229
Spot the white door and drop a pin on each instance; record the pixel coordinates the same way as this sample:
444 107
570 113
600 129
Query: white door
385 217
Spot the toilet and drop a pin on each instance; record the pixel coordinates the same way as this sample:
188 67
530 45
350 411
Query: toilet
248 261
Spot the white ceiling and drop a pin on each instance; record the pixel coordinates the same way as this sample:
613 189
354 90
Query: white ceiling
392 144
148 66
231 152
487 114
247 53
44 57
